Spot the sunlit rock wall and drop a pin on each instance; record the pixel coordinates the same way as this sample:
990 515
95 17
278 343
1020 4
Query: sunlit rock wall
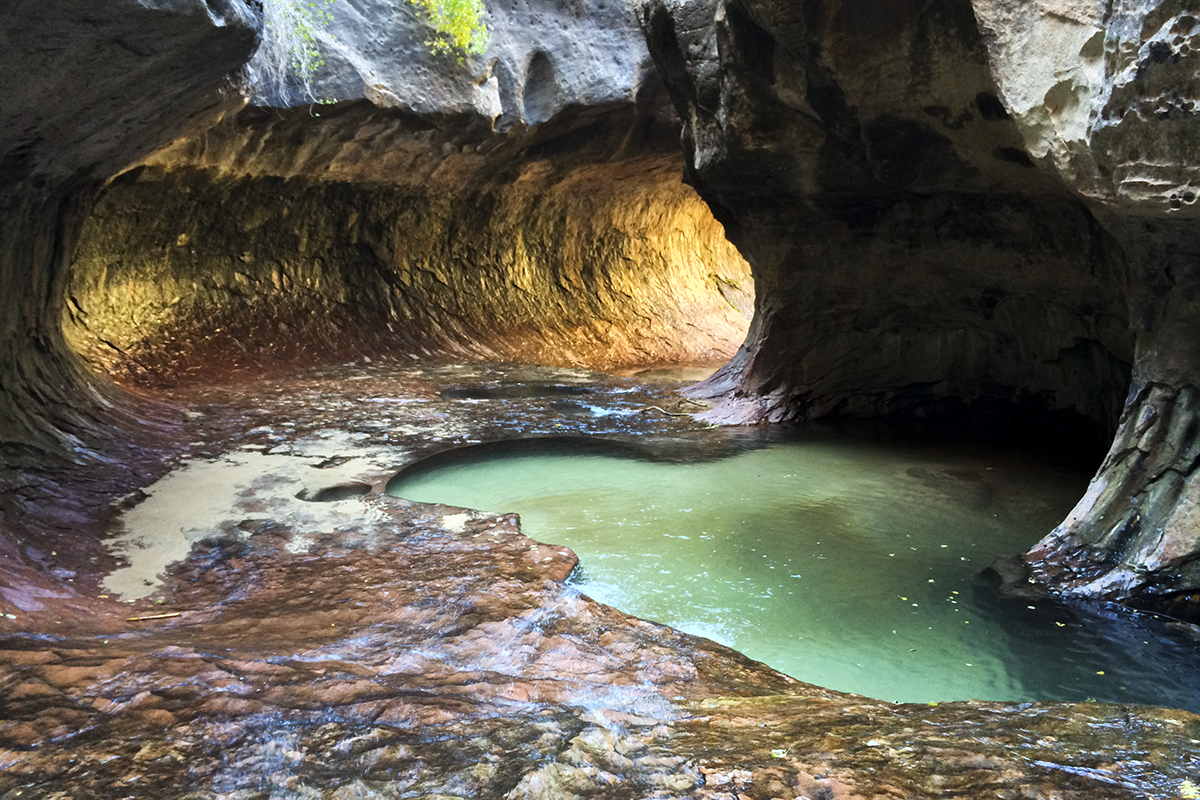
525 204
574 244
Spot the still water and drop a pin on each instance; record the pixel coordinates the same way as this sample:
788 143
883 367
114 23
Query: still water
840 560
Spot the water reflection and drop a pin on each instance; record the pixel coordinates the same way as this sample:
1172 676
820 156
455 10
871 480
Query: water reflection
838 559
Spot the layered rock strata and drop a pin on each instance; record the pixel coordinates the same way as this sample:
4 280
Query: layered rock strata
956 206
279 237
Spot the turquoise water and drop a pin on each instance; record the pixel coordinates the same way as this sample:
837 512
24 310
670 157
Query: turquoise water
846 563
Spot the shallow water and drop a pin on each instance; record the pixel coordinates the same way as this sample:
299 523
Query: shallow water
844 562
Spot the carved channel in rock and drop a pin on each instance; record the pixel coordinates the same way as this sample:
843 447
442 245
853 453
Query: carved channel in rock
376 234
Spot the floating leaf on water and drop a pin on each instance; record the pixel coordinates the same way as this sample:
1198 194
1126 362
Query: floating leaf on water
1189 790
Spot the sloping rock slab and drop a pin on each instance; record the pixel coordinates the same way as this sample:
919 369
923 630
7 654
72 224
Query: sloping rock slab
411 655
374 648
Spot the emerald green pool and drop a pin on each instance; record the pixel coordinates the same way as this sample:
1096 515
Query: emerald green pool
845 562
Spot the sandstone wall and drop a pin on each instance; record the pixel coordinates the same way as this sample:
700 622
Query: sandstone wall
377 231
86 87
522 204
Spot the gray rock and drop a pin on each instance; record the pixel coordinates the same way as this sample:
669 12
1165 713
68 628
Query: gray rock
1105 99
878 164
908 257
544 56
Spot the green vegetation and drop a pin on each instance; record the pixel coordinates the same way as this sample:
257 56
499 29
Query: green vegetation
290 53
457 24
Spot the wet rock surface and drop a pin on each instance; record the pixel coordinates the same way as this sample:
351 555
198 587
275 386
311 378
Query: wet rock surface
372 647
342 644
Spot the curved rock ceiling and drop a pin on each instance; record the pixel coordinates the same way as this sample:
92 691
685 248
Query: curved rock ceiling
936 224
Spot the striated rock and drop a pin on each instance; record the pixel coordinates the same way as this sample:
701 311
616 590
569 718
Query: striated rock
369 647
1108 107
279 237
87 88
966 206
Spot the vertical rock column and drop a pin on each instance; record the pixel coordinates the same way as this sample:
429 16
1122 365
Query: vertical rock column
1105 97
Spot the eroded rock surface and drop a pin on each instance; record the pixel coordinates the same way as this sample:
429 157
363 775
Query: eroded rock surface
370 647
544 56
1119 127
909 258
280 238
87 88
